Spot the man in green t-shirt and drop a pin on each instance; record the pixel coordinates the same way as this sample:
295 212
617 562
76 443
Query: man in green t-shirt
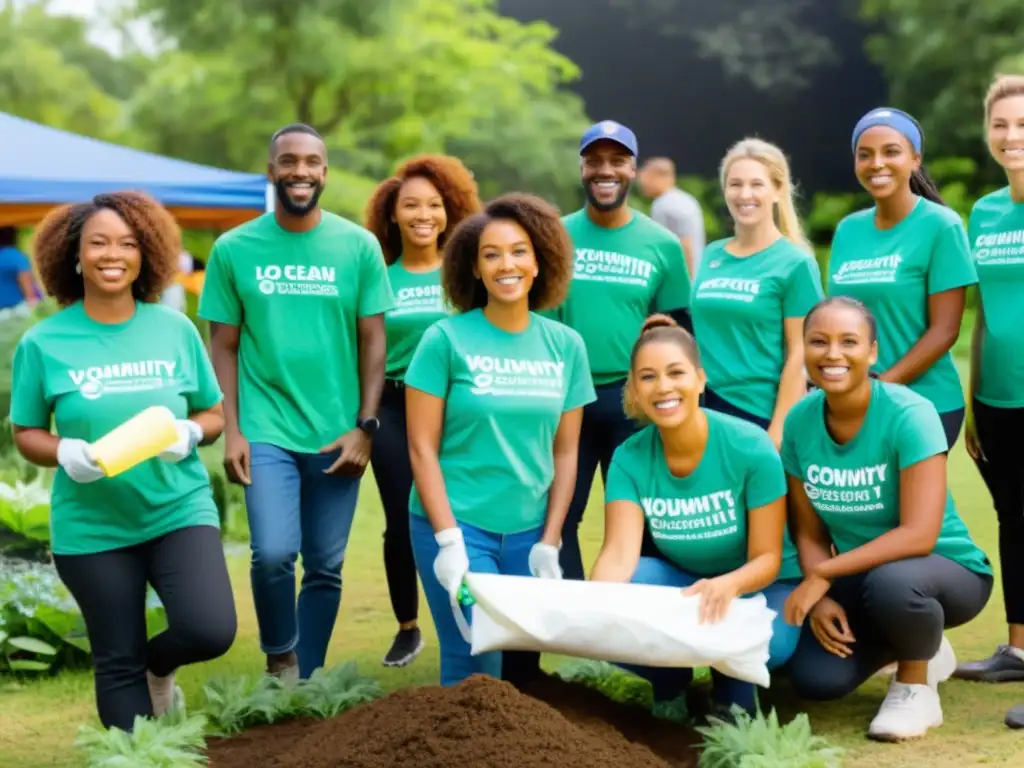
627 266
296 300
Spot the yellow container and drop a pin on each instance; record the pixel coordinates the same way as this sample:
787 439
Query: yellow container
145 435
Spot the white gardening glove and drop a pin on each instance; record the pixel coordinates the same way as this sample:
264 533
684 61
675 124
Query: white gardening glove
75 456
452 562
544 561
189 435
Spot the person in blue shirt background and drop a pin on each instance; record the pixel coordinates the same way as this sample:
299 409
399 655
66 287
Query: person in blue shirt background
17 285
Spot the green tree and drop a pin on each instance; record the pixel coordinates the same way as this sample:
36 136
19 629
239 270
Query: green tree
379 80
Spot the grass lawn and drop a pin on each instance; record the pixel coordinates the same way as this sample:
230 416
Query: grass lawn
38 722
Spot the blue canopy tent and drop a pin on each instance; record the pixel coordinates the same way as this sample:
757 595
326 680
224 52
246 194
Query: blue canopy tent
42 167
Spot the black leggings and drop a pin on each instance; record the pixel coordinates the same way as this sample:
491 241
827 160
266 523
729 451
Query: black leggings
187 569
389 457
714 402
896 612
952 421
1003 472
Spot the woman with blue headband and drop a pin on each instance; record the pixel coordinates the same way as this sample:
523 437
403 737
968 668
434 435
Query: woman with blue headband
907 258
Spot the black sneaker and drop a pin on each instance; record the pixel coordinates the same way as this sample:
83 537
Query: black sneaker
1003 666
406 647
1015 717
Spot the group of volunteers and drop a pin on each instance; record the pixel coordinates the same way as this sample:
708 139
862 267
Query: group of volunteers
487 358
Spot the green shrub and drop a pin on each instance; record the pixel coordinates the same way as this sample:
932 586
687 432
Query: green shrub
760 742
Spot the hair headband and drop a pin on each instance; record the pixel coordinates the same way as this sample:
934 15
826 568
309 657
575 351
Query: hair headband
893 118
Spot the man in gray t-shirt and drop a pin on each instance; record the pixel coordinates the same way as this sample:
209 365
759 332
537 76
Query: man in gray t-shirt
673 208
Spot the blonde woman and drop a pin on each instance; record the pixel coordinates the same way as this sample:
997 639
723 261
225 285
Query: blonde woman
752 291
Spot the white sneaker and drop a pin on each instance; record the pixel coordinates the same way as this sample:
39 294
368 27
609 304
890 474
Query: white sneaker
907 713
940 668
164 695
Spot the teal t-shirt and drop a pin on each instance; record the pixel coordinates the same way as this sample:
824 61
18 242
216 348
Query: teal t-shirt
91 377
504 394
894 271
419 304
996 231
855 488
739 308
620 277
699 522
297 298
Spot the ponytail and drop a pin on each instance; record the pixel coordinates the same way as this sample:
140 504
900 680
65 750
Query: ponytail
789 221
921 184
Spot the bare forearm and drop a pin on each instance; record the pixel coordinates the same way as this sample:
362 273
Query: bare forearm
429 482
373 355
212 423
792 387
897 544
37 446
225 365
811 553
613 565
977 338
757 573
923 355
560 496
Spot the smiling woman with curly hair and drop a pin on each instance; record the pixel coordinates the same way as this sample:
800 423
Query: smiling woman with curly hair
111 352
494 397
411 214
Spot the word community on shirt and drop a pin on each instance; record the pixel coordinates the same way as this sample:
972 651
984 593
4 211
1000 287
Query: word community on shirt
505 376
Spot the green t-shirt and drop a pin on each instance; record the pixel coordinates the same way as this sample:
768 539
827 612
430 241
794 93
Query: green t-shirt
739 309
419 304
91 377
297 298
894 271
621 276
855 488
504 394
699 522
997 236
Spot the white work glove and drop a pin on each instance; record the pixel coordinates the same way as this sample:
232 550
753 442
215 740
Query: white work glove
544 561
189 435
452 562
75 457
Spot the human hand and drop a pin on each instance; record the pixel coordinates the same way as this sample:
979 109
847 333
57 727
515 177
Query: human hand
803 599
971 441
189 435
237 458
452 562
716 595
354 449
75 457
830 625
544 561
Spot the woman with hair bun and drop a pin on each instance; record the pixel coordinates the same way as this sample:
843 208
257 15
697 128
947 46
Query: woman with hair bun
412 214
721 482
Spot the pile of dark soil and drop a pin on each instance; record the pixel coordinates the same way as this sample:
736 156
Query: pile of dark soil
481 723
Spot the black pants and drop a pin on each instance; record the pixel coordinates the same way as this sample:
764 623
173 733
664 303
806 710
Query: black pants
897 612
605 427
1003 472
187 569
389 458
952 421
713 402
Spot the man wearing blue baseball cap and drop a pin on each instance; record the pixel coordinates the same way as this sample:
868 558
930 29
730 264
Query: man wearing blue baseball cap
627 266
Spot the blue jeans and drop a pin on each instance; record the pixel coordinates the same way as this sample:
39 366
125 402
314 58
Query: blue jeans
669 683
507 554
294 507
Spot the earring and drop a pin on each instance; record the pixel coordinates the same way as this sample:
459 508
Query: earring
78 267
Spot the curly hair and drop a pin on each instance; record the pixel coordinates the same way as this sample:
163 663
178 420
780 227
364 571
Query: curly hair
551 244
58 241
453 181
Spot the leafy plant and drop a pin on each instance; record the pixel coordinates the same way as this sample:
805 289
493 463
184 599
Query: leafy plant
13 650
329 692
172 741
760 742
25 510
609 680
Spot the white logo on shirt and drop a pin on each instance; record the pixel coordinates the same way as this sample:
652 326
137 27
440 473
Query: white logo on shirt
880 270
698 517
1000 247
503 376
424 298
98 380
611 267
729 288
835 489
296 279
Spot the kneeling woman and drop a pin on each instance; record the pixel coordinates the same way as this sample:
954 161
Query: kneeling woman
106 262
694 457
866 466
494 402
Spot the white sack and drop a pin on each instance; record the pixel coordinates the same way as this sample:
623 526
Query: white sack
653 626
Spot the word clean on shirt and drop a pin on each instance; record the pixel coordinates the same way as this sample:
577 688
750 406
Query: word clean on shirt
504 376
732 289
611 267
296 279
116 378
698 517
879 270
1000 248
834 489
